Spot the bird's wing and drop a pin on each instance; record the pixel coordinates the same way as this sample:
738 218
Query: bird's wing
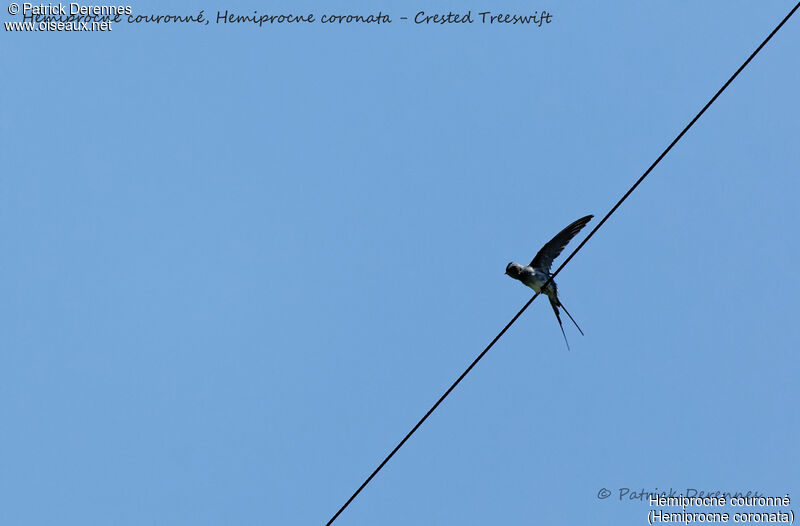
550 251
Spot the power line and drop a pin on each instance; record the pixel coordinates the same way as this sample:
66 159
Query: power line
571 255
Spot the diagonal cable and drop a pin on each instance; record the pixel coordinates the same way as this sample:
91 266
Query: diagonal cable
567 260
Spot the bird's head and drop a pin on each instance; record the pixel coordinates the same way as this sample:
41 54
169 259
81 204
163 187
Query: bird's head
513 270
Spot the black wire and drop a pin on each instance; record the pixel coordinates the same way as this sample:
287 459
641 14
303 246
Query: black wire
572 254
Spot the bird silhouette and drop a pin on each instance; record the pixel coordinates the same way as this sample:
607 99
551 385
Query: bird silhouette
536 274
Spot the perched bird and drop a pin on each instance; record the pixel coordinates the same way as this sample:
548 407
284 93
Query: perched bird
538 272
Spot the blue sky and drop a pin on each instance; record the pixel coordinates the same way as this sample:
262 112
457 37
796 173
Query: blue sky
239 264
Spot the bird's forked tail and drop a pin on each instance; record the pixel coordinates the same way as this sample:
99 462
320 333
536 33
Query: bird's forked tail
570 317
556 303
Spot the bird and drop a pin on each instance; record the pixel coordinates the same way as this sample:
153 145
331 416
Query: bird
537 273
